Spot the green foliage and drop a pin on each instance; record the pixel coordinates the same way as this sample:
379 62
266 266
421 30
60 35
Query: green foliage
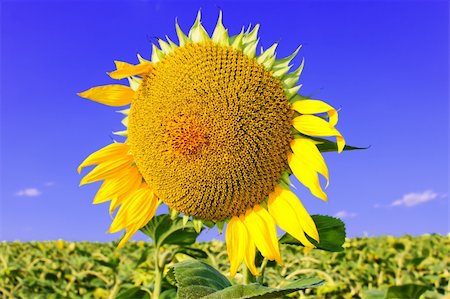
164 230
196 279
255 290
367 268
331 234
412 291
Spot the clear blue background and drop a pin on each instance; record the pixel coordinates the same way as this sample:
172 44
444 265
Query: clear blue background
385 63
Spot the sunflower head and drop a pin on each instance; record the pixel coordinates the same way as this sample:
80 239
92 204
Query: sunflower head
214 131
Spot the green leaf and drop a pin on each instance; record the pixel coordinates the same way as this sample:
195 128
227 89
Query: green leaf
326 145
373 294
134 292
196 279
331 234
411 291
255 290
168 294
163 230
193 252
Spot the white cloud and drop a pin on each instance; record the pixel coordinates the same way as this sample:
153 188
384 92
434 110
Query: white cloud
29 192
412 199
49 184
345 214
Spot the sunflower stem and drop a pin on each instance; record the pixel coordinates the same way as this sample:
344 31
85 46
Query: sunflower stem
248 276
158 276
261 271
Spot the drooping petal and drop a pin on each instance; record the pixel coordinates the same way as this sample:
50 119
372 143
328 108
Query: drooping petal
235 237
111 95
307 176
262 227
314 107
136 211
124 70
249 258
316 126
108 170
118 186
109 152
291 216
306 150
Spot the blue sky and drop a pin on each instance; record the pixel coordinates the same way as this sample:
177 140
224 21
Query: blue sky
384 63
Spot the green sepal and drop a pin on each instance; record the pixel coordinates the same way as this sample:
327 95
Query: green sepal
174 214
220 226
284 62
165 47
157 54
325 145
198 33
182 38
289 80
250 48
251 36
198 225
266 55
220 34
185 219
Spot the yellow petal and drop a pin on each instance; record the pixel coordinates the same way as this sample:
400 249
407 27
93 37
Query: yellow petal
125 70
111 95
306 150
291 216
109 152
262 227
316 126
115 187
314 107
249 257
108 170
307 176
235 237
137 207
138 213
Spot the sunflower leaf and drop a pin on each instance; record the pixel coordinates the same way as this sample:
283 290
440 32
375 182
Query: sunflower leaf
164 230
412 291
192 252
195 279
331 234
325 145
256 290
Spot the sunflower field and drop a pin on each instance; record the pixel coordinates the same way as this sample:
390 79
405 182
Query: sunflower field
367 268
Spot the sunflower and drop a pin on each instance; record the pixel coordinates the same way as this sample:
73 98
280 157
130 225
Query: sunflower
214 131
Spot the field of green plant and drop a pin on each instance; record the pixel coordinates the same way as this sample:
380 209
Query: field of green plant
366 268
